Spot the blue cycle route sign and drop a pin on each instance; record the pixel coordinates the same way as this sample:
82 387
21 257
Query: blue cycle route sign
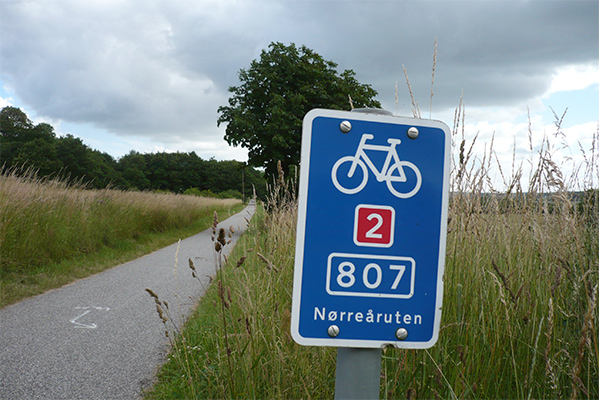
371 233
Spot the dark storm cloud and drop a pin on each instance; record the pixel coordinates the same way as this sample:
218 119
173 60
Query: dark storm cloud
163 68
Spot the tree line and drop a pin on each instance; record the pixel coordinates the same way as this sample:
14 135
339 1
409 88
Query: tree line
26 145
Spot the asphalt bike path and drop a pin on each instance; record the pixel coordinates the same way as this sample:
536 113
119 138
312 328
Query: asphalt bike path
101 337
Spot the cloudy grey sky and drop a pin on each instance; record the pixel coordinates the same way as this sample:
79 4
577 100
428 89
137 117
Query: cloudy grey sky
149 76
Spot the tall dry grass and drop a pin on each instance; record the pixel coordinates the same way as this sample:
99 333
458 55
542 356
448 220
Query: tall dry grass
521 280
45 222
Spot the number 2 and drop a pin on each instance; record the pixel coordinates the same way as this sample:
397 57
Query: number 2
371 232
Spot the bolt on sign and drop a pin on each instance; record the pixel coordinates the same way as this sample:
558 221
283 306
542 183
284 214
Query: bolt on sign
371 233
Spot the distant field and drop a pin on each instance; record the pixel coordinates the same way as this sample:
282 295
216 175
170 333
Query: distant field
52 233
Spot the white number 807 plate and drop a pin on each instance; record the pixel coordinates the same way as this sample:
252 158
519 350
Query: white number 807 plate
370 275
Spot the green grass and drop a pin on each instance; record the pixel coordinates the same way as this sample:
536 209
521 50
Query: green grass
17 285
52 233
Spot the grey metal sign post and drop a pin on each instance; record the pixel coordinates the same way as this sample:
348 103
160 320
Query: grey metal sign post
357 373
370 240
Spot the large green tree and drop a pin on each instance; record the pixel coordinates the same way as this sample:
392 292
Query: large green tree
265 112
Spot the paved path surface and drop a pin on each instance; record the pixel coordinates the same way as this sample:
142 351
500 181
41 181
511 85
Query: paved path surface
101 337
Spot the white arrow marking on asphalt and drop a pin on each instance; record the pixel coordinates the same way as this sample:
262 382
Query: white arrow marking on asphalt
82 325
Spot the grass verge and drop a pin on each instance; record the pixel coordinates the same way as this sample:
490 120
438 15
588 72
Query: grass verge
52 233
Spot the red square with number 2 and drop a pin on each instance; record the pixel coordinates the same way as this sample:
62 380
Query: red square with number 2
374 225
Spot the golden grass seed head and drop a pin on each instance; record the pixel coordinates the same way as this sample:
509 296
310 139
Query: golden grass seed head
215 221
240 262
221 239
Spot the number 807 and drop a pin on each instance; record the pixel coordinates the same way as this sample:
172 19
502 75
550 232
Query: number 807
370 276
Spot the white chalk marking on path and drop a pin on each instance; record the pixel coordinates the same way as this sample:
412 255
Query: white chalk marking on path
88 310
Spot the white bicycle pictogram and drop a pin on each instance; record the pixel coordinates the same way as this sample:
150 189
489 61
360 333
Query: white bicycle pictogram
390 172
